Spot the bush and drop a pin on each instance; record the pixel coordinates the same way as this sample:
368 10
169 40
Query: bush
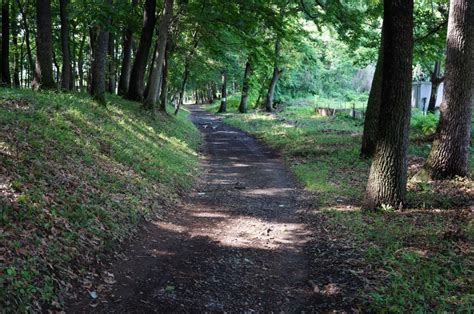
424 125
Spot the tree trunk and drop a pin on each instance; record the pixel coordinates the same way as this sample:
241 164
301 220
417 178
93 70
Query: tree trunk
44 47
111 65
183 87
80 63
17 55
92 43
449 156
24 18
99 64
214 90
245 88
164 79
271 90
137 76
436 80
5 58
150 70
66 72
124 79
223 106
388 173
157 72
372 111
187 62
276 75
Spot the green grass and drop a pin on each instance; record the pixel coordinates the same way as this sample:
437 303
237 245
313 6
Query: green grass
79 178
422 260
323 152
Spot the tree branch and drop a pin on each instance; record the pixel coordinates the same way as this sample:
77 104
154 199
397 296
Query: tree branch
432 31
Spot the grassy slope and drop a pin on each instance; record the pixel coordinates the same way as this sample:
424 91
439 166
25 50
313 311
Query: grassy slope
424 256
76 179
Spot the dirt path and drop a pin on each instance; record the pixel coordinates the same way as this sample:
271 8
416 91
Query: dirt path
238 244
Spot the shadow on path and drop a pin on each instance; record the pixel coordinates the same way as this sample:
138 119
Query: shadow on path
238 243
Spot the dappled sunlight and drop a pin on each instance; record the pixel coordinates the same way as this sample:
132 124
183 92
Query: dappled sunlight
209 214
240 165
177 143
168 226
269 191
250 232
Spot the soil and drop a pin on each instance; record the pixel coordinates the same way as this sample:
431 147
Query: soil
243 240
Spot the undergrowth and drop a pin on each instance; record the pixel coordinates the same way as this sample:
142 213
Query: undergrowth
77 178
422 257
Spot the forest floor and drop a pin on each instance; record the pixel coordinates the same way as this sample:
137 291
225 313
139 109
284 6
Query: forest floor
421 257
243 240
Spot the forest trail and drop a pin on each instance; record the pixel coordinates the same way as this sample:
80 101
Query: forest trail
237 244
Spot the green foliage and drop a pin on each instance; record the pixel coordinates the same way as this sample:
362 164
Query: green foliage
80 177
424 125
416 265
422 269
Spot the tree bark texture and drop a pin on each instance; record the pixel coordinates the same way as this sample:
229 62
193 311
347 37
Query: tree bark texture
245 89
157 72
5 79
274 81
99 64
388 172
137 76
372 111
126 65
80 63
17 55
26 29
449 156
111 65
66 71
43 77
164 79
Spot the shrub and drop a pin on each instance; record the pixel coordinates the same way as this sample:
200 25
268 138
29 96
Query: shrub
424 125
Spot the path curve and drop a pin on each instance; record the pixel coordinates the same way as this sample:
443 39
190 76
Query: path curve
238 243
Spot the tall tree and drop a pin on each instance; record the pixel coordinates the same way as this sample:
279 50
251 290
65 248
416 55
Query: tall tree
111 65
170 47
99 60
80 63
43 77
17 54
275 76
388 173
372 111
137 76
450 152
125 68
157 71
5 53
164 78
187 64
66 71
245 88
223 106
26 29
